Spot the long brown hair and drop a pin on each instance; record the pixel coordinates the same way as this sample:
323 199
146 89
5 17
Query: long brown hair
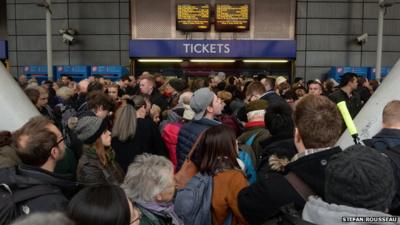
101 151
215 150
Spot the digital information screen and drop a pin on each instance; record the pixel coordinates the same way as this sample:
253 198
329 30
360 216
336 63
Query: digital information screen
193 17
232 17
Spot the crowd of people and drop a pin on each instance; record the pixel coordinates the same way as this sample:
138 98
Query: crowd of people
218 150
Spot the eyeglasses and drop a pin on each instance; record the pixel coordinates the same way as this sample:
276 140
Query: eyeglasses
56 144
138 217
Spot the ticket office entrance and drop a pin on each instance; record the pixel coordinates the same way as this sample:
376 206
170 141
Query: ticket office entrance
204 57
231 67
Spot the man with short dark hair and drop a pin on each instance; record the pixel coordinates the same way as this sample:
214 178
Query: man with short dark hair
318 126
347 92
39 145
98 104
147 86
315 88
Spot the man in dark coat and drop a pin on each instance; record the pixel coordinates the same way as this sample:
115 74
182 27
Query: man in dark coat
279 122
39 145
148 87
389 136
347 92
317 128
270 96
387 140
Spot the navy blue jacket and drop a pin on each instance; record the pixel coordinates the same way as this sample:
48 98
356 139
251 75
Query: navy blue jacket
272 98
188 134
384 139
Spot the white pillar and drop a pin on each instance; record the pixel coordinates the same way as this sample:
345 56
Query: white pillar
380 38
369 120
48 43
16 108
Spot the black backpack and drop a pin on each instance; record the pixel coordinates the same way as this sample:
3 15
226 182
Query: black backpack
11 201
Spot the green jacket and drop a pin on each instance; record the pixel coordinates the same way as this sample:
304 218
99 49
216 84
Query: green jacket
90 170
8 157
149 218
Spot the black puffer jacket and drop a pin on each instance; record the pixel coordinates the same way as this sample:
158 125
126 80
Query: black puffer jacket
262 200
24 176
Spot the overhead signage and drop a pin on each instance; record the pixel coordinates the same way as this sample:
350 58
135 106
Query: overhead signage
212 48
232 17
193 17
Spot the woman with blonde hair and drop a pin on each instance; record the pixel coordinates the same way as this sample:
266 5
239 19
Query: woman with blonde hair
127 141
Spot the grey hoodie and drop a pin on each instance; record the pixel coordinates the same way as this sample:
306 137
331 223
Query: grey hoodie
319 212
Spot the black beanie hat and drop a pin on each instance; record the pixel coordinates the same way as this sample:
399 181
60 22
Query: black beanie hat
178 84
360 177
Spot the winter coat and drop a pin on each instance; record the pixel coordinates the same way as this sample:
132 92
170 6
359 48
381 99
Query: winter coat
384 139
157 99
147 139
231 122
8 157
319 212
149 218
227 185
353 104
263 199
188 135
170 137
272 98
25 176
90 170
173 115
67 166
281 146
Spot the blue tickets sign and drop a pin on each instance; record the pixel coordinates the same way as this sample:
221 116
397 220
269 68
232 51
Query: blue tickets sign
3 49
212 48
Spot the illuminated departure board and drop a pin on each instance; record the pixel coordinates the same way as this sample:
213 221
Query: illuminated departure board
193 17
232 17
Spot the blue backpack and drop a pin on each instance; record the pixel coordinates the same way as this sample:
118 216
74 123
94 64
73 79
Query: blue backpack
246 154
193 202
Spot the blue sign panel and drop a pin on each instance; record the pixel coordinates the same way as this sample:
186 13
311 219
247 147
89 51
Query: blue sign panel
3 49
37 72
384 72
337 72
212 49
110 72
76 72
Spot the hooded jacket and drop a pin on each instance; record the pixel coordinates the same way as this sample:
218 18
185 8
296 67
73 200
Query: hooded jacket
319 212
25 176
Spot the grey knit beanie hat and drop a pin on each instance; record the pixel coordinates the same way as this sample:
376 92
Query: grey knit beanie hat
89 128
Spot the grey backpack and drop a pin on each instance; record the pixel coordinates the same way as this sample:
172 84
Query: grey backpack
193 202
